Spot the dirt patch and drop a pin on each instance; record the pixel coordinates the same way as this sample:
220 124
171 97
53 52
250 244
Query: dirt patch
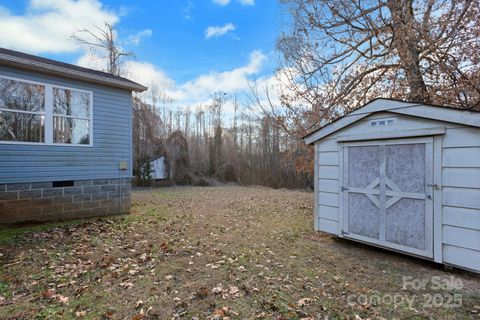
216 252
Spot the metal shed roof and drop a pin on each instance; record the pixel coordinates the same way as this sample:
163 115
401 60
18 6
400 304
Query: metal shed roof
34 63
441 113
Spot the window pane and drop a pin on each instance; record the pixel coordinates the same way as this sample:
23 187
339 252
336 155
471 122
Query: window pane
71 103
17 95
23 127
72 131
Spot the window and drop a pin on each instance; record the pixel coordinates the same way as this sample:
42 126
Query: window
43 113
71 116
22 111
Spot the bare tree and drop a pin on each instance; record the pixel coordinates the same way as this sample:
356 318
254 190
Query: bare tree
104 39
343 52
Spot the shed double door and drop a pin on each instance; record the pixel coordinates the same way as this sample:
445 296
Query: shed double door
387 194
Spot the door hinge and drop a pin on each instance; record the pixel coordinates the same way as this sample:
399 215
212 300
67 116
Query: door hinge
344 188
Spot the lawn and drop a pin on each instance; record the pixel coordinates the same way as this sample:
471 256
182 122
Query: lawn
218 253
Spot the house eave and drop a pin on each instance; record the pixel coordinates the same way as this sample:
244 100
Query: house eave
30 65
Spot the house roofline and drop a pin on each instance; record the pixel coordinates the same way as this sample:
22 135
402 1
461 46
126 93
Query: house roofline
29 62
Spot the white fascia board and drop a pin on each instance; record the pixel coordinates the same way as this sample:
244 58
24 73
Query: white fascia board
464 117
372 107
383 105
333 127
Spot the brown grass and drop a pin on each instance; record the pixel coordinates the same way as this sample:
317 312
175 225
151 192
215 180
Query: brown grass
189 252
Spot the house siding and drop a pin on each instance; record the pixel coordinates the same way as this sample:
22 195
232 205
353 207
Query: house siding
112 142
28 170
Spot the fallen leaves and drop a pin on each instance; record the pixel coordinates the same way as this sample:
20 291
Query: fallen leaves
126 285
223 313
227 292
202 293
233 290
62 299
303 302
200 254
138 304
80 313
48 294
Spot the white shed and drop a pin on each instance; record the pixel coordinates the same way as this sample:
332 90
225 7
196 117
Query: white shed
160 169
403 176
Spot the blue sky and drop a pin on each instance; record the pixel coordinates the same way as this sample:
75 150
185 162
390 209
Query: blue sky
195 46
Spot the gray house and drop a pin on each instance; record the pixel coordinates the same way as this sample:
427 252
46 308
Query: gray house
65 140
402 176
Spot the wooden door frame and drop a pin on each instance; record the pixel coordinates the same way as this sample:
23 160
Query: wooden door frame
433 176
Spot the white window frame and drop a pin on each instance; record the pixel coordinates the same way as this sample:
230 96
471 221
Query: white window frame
48 139
387 122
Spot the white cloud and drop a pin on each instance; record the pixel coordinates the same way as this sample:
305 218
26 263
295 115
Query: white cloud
137 38
92 59
195 92
187 10
226 2
221 2
217 31
150 76
227 81
48 24
199 90
247 2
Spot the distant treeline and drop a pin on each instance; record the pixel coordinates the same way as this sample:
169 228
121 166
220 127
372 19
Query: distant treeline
255 146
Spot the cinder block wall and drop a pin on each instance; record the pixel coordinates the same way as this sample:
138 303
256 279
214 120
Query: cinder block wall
41 201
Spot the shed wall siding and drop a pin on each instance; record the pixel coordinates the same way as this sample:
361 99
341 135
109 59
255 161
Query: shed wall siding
460 175
328 185
461 197
112 142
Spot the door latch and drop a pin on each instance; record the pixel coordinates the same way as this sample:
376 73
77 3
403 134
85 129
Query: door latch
434 186
344 188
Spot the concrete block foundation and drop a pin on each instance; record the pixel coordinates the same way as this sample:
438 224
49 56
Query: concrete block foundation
53 201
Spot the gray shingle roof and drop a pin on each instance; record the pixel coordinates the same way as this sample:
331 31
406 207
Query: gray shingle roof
35 63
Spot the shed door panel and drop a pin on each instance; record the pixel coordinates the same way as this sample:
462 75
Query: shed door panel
363 180
364 217
386 194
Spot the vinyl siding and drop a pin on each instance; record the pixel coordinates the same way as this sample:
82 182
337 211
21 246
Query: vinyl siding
328 185
461 197
112 142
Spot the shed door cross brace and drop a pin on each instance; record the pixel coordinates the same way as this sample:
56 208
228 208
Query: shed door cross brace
394 209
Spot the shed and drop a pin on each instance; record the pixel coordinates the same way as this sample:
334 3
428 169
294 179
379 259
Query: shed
161 170
402 176
65 140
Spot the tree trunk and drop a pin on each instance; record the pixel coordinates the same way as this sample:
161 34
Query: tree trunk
405 42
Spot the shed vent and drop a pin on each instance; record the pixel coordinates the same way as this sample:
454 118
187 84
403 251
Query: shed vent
382 122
